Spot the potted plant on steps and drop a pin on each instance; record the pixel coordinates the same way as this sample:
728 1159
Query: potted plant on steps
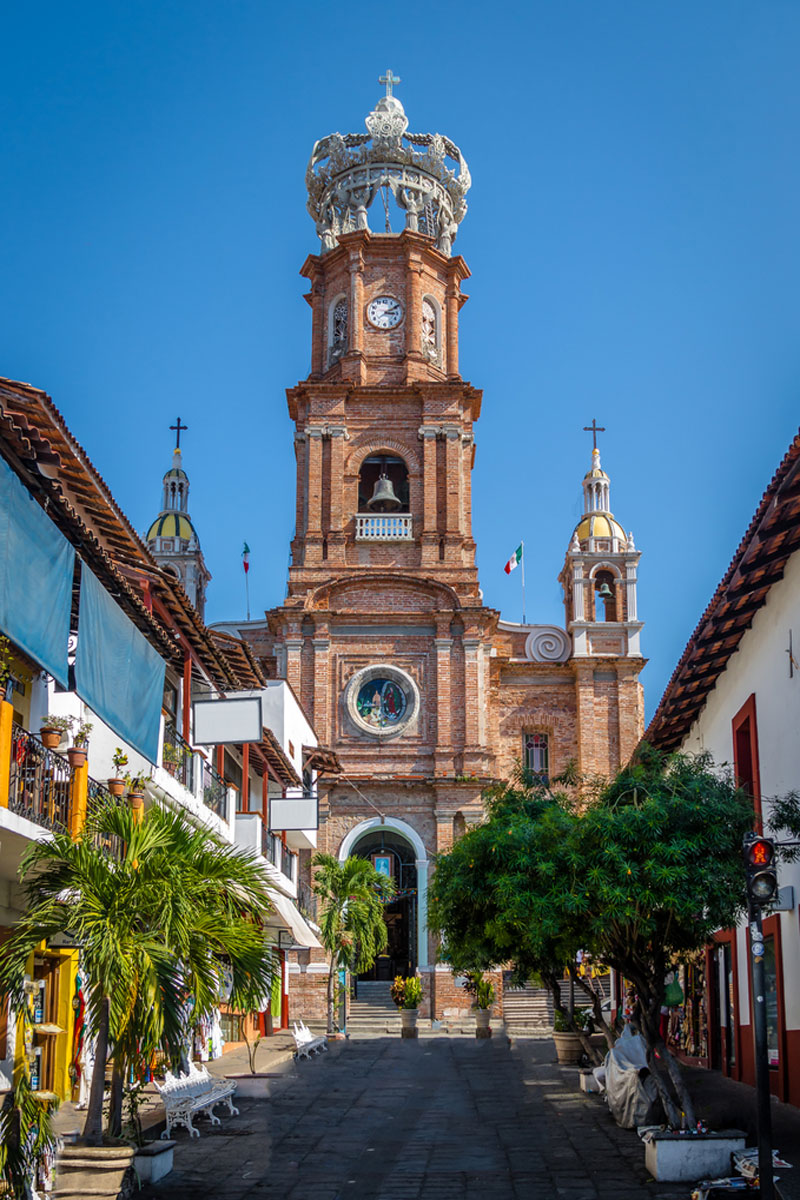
116 784
172 757
482 991
135 784
80 745
53 729
407 995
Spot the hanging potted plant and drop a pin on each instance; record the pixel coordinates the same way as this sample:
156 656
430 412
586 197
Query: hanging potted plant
80 745
482 992
116 785
172 757
135 785
407 995
53 729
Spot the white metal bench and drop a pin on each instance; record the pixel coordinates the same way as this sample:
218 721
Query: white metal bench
186 1096
306 1043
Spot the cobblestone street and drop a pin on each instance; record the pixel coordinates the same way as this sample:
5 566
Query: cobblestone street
436 1119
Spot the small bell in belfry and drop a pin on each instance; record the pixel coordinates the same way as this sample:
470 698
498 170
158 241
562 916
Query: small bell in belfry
383 498
605 592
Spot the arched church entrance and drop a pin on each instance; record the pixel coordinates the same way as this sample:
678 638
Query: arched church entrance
393 855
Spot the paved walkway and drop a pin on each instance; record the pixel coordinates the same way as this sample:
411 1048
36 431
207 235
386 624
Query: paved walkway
436 1119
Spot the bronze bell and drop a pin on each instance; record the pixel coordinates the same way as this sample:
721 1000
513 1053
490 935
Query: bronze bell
605 592
383 494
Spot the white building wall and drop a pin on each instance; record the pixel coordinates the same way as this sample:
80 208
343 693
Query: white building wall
760 667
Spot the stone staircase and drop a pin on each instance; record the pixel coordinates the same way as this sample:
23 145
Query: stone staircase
528 1011
373 1014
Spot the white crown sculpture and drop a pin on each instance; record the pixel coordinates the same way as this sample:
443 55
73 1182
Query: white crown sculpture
345 173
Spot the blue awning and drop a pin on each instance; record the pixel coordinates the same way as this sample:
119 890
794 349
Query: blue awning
36 569
117 672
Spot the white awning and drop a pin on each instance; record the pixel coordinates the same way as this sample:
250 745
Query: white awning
286 911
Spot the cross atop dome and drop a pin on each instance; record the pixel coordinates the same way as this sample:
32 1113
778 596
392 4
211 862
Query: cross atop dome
389 79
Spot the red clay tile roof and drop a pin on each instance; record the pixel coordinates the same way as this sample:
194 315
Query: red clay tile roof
759 562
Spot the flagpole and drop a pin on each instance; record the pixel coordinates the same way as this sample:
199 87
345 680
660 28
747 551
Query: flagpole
247 592
522 564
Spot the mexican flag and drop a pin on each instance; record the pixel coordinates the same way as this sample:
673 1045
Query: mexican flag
246 558
515 559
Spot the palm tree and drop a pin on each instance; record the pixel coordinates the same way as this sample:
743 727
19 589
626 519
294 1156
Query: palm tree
352 924
158 907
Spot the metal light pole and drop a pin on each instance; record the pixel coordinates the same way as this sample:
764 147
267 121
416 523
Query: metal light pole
764 1110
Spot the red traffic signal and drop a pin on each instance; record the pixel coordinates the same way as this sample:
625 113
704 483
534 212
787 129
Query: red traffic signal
760 868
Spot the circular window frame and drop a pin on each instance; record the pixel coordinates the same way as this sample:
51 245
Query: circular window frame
396 675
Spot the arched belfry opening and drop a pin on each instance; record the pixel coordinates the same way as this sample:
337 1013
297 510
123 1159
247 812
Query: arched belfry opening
605 596
392 855
383 484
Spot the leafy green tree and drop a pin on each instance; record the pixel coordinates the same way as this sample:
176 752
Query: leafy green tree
638 871
352 896
157 907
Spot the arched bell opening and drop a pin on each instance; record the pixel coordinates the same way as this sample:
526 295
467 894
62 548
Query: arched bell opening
383 485
605 596
392 855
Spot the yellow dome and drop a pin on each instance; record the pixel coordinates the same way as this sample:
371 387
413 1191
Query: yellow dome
600 525
171 524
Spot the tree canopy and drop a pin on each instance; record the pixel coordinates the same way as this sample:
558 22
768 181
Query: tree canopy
635 871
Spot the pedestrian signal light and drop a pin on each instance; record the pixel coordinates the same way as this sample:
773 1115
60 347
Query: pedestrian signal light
760 868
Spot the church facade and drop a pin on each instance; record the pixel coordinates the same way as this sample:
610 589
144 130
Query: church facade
425 694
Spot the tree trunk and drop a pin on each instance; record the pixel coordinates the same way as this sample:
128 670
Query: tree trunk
597 1011
93 1129
114 1129
331 976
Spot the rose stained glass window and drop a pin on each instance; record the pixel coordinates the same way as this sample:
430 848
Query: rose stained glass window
381 702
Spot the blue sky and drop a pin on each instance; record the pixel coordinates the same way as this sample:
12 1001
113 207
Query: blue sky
633 237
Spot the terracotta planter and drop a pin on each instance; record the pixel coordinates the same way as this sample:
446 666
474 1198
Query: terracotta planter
116 786
136 799
408 1022
76 756
482 1027
95 1171
568 1048
51 738
171 768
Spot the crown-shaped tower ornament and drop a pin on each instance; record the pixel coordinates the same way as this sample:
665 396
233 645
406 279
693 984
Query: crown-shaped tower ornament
345 174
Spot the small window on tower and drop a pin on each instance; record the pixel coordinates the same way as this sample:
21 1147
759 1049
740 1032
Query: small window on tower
536 758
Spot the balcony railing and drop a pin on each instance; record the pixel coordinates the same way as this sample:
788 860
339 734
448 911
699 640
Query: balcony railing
215 792
109 843
177 757
383 527
307 901
40 786
281 857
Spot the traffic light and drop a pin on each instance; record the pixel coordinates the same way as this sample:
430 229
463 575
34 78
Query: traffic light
761 868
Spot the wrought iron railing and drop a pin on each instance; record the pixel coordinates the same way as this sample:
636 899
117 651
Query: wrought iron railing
98 795
281 857
307 901
215 792
40 784
177 757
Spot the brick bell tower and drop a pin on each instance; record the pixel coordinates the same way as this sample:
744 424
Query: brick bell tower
383 634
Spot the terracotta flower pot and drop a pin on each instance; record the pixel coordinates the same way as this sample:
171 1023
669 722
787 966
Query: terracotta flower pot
50 738
136 799
116 786
76 756
568 1048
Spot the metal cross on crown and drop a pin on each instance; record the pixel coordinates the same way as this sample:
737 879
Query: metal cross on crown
594 429
179 429
389 79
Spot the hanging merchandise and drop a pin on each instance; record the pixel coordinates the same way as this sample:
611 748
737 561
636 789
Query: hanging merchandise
673 995
78 1029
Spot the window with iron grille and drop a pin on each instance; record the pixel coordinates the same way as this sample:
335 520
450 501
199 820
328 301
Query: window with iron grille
536 756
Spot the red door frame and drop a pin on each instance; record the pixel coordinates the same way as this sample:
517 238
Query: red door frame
746 766
728 937
777 1075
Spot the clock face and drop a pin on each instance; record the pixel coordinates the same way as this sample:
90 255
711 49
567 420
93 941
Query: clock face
384 312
